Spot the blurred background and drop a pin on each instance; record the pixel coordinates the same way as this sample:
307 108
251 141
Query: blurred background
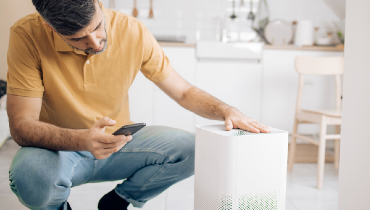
242 52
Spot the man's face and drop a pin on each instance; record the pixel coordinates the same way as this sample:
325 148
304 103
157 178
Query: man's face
93 38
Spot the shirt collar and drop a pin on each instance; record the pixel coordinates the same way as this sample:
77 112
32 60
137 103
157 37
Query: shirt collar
62 46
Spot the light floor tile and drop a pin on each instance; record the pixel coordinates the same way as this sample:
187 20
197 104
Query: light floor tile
157 203
301 189
310 203
181 195
4 187
289 205
10 202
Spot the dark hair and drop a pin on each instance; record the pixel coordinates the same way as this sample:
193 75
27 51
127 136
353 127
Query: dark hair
67 17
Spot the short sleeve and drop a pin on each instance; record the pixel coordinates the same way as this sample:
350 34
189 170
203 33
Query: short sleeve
156 66
24 75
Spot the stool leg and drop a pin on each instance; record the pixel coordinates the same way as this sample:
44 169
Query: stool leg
321 154
292 146
336 148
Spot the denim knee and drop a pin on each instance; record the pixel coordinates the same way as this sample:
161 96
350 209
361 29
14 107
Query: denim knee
184 144
33 176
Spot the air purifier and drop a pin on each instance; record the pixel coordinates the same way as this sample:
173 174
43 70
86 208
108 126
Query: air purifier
240 170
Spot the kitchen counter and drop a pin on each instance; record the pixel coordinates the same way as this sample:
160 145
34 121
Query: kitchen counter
315 48
274 47
176 44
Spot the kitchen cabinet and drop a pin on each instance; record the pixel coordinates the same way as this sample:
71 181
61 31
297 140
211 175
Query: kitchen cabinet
235 82
141 103
265 91
166 111
151 105
280 86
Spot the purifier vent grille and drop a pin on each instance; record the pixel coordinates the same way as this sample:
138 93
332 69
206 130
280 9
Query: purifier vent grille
258 201
234 133
210 201
205 200
226 203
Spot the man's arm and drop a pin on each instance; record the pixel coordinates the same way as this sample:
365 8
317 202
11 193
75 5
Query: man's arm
206 105
28 131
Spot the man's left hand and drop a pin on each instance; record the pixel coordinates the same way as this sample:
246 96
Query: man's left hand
235 119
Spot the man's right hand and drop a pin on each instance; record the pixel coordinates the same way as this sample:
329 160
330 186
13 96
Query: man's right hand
102 145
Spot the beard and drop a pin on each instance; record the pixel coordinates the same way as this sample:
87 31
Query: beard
92 51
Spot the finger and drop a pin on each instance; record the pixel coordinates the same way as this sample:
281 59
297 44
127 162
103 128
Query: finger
228 124
105 121
116 144
263 128
112 150
249 127
111 139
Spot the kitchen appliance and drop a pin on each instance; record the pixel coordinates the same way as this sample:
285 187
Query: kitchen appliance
239 170
170 38
304 35
250 14
279 32
261 19
233 16
135 12
323 41
151 15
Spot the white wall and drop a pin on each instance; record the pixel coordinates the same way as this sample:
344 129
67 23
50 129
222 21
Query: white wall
354 172
10 12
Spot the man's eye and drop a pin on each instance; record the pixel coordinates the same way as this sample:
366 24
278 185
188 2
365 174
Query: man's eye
76 39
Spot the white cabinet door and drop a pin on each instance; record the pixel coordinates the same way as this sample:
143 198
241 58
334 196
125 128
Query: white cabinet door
166 111
280 86
141 94
237 83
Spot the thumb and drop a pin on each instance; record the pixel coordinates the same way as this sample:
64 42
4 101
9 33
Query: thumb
105 121
228 124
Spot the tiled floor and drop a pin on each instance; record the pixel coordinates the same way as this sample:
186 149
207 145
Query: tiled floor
301 191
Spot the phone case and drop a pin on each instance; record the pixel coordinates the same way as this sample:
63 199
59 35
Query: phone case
129 129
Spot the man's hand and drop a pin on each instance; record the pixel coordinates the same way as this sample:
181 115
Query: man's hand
206 105
102 145
235 119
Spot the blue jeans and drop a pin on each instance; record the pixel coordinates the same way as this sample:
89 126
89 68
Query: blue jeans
156 158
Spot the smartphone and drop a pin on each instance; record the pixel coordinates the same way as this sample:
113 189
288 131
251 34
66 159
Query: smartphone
129 129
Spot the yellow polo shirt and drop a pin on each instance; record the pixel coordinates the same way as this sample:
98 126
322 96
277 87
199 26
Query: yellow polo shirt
78 89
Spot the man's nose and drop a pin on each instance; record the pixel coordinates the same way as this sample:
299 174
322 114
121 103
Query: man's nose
94 42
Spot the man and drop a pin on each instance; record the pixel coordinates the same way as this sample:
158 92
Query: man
70 68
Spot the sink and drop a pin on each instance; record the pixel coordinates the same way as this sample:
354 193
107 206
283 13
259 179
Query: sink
229 50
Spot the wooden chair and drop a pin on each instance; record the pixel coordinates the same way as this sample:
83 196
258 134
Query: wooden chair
318 66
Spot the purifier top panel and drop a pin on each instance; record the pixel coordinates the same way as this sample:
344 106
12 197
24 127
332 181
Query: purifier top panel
220 130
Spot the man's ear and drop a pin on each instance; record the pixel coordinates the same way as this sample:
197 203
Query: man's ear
45 23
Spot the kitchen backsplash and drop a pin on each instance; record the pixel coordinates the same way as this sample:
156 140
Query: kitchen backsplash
203 19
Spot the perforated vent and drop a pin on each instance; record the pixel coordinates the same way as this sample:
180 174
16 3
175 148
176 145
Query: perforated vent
170 38
233 133
258 201
205 200
226 203
210 201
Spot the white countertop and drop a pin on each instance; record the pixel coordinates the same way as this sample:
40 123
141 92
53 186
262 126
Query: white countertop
286 47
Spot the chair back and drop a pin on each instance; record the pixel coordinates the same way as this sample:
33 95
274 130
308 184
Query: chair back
320 66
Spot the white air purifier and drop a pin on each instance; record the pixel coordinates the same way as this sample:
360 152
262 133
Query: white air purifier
240 170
